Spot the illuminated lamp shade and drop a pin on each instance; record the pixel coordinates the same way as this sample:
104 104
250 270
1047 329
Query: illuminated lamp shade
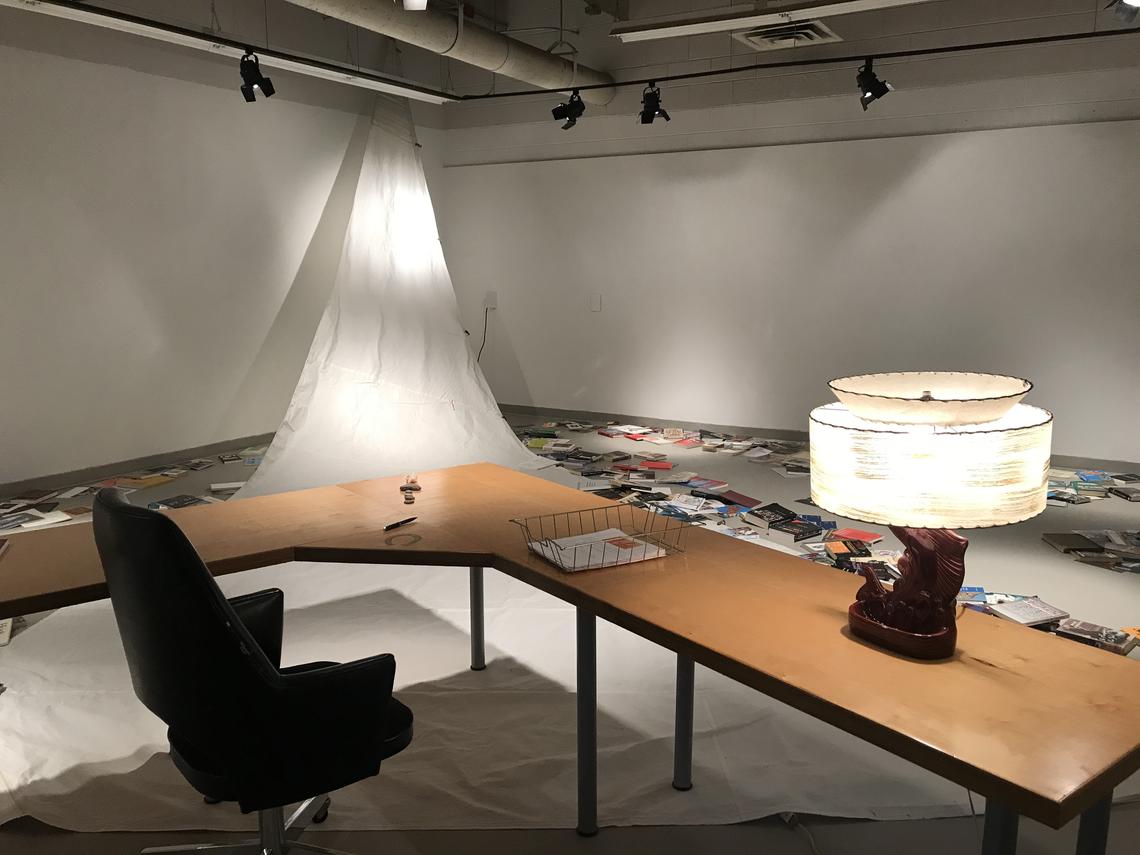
911 450
931 475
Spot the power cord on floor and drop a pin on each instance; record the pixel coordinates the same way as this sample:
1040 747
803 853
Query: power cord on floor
486 313
793 822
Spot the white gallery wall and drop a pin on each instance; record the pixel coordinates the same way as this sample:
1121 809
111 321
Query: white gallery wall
166 248
735 283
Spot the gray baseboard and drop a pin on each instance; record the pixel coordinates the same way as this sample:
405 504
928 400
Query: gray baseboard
98 473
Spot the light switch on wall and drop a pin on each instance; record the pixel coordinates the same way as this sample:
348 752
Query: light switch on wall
595 302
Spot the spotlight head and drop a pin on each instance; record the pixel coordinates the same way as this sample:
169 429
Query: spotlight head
569 111
1125 10
252 79
871 88
651 105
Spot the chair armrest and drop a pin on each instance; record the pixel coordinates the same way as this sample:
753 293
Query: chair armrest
349 700
262 614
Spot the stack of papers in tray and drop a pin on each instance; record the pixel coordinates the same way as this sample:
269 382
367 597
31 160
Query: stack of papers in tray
597 549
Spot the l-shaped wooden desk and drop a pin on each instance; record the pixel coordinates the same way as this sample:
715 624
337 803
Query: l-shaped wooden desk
1041 726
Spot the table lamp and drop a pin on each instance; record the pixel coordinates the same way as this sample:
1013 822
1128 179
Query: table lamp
926 453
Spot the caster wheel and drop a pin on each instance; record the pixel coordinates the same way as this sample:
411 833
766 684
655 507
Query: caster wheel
323 814
211 801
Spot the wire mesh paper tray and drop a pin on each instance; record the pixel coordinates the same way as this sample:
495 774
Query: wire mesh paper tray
602 537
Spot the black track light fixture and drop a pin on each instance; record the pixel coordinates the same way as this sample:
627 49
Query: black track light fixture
570 111
651 104
871 88
251 77
1125 10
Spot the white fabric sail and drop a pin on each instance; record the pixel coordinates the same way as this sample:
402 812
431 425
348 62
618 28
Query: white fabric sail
389 386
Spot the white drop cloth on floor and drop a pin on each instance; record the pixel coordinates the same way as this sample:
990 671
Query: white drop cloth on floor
492 749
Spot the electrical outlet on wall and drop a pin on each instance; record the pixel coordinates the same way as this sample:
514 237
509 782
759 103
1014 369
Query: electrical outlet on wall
595 302
491 301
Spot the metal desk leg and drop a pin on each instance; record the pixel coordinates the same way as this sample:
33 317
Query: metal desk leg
1092 836
1000 835
587 724
683 724
478 648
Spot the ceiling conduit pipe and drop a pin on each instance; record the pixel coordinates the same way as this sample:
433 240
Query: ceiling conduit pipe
442 34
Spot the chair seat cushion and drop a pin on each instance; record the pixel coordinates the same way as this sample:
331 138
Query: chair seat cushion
206 775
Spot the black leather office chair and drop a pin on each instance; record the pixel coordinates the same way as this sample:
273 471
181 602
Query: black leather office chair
241 727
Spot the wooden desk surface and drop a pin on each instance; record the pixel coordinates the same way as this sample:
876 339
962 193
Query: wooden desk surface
1042 724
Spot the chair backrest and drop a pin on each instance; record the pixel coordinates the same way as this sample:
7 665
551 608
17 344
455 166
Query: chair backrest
192 662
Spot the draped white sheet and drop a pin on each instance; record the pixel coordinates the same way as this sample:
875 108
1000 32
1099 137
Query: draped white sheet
389 385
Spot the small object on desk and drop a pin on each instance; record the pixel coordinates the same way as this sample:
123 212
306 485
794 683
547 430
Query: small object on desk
229 458
1129 494
226 486
409 488
399 523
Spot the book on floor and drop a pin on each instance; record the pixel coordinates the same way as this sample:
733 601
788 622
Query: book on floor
735 498
1070 541
847 548
763 517
1106 638
1129 494
870 537
175 502
1032 611
791 532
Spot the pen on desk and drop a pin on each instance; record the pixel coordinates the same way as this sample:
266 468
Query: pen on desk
391 526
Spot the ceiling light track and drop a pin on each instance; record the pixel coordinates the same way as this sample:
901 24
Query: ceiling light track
855 59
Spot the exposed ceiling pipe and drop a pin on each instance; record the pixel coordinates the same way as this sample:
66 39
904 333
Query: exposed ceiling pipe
746 18
442 34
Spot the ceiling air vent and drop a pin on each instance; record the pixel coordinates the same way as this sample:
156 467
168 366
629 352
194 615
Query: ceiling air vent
789 35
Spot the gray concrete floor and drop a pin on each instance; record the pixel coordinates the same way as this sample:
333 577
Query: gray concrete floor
772 837
1008 559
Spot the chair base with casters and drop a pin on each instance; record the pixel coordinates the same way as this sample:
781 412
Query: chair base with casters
276 834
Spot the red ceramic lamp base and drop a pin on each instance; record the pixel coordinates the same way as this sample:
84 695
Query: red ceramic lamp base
917 616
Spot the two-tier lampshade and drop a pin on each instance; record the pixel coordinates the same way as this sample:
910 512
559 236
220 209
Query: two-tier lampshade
932 475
